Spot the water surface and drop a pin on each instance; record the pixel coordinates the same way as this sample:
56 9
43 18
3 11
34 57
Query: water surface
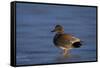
34 23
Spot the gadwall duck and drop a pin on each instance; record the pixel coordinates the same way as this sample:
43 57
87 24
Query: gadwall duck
65 41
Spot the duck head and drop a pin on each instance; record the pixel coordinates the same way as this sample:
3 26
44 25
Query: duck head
58 29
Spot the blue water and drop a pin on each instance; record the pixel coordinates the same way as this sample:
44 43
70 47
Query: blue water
34 23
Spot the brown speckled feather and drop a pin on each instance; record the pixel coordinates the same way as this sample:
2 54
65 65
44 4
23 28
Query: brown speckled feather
63 40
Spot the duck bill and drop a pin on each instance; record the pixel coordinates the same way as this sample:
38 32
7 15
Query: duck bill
53 31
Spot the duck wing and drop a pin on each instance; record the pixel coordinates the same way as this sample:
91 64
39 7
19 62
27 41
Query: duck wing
64 40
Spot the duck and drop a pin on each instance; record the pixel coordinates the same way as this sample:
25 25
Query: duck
65 41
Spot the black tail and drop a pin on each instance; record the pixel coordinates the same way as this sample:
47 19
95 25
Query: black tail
76 44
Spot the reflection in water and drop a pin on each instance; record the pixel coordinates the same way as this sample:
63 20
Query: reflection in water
66 58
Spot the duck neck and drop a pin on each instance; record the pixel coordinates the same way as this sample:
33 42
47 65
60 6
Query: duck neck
60 32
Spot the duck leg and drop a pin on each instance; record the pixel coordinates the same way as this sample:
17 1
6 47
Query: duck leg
65 52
